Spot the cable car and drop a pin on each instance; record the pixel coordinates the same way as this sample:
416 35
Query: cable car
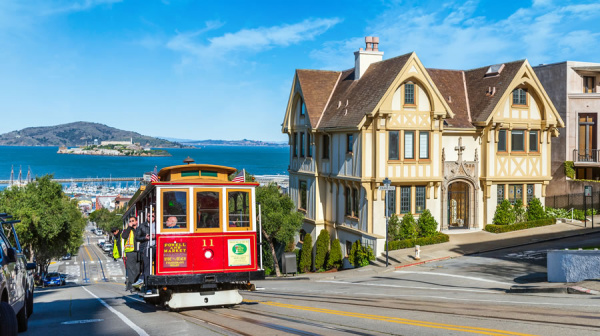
203 236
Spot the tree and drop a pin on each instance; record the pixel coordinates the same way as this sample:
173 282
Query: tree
408 227
360 255
106 219
280 220
427 224
504 214
535 210
322 249
335 255
393 227
306 254
51 224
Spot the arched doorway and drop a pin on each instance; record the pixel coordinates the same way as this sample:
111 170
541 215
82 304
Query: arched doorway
458 205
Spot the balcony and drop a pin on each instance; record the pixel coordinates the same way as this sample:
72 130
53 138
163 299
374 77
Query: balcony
591 158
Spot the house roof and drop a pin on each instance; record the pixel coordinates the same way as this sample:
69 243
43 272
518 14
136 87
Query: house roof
451 85
316 88
360 95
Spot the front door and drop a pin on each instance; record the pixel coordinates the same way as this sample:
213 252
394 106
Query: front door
458 205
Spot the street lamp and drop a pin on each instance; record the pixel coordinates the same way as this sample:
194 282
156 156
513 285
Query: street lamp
386 184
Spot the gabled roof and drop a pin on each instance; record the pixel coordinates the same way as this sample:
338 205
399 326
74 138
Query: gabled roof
451 85
362 95
316 87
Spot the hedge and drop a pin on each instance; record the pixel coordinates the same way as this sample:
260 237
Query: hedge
406 243
519 226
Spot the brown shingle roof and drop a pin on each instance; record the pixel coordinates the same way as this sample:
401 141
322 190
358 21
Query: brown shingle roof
362 95
451 85
316 87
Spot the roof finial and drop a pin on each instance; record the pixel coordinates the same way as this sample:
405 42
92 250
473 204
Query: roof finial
188 160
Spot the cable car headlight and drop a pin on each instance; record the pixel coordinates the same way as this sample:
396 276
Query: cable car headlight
208 254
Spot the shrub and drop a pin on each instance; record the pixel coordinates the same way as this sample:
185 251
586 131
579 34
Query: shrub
579 215
335 255
519 211
322 249
408 227
427 224
535 210
519 226
504 214
569 169
306 254
393 227
557 213
359 255
437 238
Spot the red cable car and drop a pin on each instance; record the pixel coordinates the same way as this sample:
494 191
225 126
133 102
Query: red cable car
203 244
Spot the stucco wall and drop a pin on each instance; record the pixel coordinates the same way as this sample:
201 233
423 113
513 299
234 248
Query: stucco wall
573 266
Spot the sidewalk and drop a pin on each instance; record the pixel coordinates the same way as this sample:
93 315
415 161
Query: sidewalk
465 242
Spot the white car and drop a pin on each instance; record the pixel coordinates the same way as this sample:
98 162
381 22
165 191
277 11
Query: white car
99 232
107 247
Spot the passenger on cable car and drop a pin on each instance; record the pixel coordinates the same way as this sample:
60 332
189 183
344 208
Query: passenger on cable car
171 223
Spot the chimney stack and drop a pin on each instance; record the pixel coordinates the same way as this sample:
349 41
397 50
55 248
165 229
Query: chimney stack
364 58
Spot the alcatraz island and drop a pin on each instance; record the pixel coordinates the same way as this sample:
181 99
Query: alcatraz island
114 148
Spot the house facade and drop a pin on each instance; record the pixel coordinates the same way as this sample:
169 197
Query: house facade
454 142
573 88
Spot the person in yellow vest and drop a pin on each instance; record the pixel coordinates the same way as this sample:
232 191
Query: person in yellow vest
132 263
117 244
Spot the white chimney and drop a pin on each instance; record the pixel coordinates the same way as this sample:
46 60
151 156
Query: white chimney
364 58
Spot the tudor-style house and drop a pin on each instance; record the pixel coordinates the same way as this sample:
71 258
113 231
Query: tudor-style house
454 142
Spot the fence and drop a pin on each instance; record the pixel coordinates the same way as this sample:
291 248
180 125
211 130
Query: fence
573 201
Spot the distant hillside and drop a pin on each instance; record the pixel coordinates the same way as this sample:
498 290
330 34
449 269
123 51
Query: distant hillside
243 142
78 134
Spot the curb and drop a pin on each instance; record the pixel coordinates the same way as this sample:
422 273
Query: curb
531 289
422 262
286 278
581 290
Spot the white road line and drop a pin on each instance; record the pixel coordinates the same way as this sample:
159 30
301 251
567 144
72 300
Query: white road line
123 318
455 276
410 287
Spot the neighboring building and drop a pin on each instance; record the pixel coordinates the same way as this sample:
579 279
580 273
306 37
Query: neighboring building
123 143
454 142
573 88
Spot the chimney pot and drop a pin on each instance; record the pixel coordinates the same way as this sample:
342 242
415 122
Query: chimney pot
368 39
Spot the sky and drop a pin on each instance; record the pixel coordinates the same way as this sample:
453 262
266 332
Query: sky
223 69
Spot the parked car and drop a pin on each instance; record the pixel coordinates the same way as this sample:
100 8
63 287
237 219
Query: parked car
63 278
16 281
108 247
99 232
52 279
101 242
67 256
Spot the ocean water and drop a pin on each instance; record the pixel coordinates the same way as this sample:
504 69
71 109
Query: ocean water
45 160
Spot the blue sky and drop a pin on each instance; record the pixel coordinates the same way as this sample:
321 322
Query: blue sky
223 69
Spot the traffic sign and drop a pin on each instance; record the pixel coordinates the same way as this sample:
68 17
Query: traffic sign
386 188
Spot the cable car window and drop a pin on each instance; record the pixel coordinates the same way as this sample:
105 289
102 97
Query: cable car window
174 210
238 203
207 209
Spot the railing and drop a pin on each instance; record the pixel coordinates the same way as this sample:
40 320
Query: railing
591 155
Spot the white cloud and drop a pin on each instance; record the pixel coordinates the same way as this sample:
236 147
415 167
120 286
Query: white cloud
248 40
77 6
452 36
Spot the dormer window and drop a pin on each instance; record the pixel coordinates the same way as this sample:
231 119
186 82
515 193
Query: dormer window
494 70
589 84
409 94
520 97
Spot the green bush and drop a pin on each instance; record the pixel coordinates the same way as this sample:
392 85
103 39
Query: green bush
335 255
519 226
322 249
579 215
557 213
393 227
437 238
427 224
504 214
408 227
306 254
570 169
519 211
535 210
360 255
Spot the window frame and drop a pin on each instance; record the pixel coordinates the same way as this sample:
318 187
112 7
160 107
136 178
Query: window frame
302 108
585 84
162 224
528 196
517 100
500 192
536 142
423 198
403 201
302 198
220 195
250 227
349 143
348 203
413 93
301 144
325 153
427 152
355 202
391 203
412 133
513 142
308 145
294 144
514 187
502 133
396 144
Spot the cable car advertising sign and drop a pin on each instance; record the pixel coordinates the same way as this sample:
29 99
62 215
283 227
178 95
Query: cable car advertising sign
175 255
239 252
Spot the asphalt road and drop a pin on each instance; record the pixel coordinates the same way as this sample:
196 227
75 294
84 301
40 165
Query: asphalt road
462 296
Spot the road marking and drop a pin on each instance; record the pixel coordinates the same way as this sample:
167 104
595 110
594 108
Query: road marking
123 318
455 276
410 287
398 320
83 321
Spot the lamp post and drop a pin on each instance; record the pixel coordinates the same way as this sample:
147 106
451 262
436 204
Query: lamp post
386 184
